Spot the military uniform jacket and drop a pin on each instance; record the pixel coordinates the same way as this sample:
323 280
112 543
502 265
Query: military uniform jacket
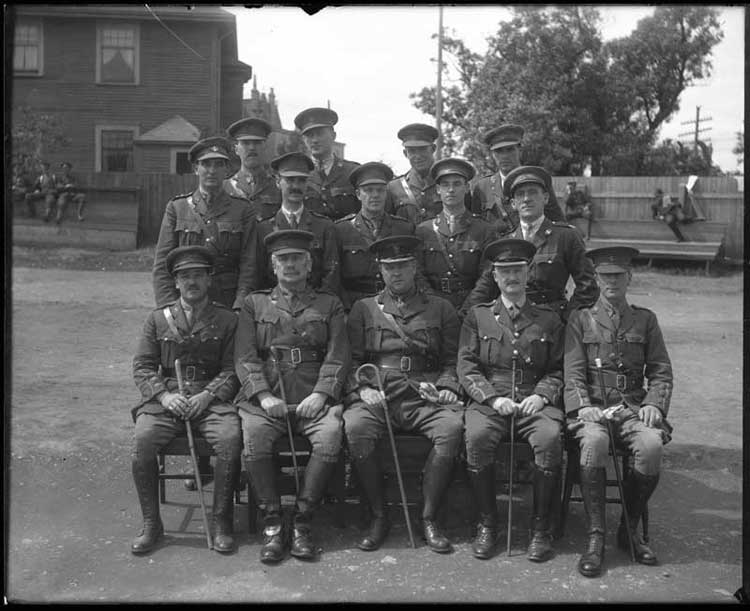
360 273
451 261
315 324
485 355
228 229
487 201
205 350
325 254
44 183
413 198
560 254
332 195
631 352
261 191
430 323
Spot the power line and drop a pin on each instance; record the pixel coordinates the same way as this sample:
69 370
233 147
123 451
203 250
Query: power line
166 27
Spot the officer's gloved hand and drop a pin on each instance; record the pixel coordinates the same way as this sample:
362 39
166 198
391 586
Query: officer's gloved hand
175 403
591 414
274 407
503 406
311 405
198 404
651 415
372 397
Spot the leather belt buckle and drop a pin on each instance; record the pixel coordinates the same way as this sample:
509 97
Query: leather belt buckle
519 375
296 355
445 285
622 382
190 372
405 363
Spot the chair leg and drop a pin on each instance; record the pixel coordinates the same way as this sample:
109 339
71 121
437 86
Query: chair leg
252 510
162 486
339 490
568 480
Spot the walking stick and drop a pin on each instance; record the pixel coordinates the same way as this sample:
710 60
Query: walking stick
393 449
289 432
191 443
514 361
603 390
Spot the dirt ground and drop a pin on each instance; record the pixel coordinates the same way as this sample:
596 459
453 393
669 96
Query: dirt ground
71 508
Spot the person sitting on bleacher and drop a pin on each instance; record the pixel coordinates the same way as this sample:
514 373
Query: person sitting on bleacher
493 336
292 357
412 338
200 333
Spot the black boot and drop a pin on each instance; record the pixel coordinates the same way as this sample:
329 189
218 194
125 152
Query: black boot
638 489
437 474
146 478
317 474
593 491
225 478
262 475
370 478
204 466
545 486
483 485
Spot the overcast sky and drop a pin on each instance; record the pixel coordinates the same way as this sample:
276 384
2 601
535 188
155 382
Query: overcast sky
367 60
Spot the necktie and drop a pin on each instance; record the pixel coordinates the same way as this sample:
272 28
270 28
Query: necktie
188 316
615 316
514 311
526 233
293 221
451 223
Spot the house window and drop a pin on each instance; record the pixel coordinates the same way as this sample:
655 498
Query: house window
114 148
181 162
117 55
27 50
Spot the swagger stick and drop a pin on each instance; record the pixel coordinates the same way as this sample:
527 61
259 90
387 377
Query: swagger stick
393 449
191 443
289 431
603 390
511 469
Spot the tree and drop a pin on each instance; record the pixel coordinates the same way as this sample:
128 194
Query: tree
739 148
35 135
578 98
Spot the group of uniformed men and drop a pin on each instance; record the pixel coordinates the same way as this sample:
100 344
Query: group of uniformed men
456 294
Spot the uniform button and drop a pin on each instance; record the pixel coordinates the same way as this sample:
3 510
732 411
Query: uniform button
448 273
517 334
208 222
549 260
484 337
450 256
451 240
513 341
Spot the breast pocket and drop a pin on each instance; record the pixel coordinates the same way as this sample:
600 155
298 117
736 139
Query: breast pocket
468 257
210 345
633 347
599 344
230 236
355 260
313 327
537 347
491 348
267 326
188 232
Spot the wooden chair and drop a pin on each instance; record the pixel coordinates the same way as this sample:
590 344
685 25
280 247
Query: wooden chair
573 476
285 480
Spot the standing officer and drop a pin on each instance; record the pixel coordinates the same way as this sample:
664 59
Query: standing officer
304 331
630 344
252 182
201 334
560 252
413 339
329 191
293 171
493 336
43 188
360 276
453 241
488 198
209 217
413 196
68 191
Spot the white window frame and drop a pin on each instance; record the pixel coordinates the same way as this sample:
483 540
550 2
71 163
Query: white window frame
173 157
98 141
100 26
40 59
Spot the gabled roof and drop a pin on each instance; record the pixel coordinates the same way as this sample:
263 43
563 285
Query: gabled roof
173 131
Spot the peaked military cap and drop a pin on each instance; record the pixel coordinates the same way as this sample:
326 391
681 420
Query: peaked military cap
315 117
452 165
370 173
504 135
249 129
293 164
395 248
526 174
509 251
209 148
612 259
417 134
189 257
288 240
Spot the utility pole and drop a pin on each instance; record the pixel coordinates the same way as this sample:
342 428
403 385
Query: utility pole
698 129
439 91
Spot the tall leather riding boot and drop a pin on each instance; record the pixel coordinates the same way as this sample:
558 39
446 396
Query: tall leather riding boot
204 466
436 476
317 474
483 485
262 475
370 477
225 479
545 486
593 491
146 478
638 489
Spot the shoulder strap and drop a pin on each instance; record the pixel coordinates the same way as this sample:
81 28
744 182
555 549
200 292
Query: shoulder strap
444 249
396 327
201 223
408 191
170 321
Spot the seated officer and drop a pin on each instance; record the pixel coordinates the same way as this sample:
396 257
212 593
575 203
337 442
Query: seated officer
68 190
298 333
201 334
629 342
360 276
412 338
497 337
